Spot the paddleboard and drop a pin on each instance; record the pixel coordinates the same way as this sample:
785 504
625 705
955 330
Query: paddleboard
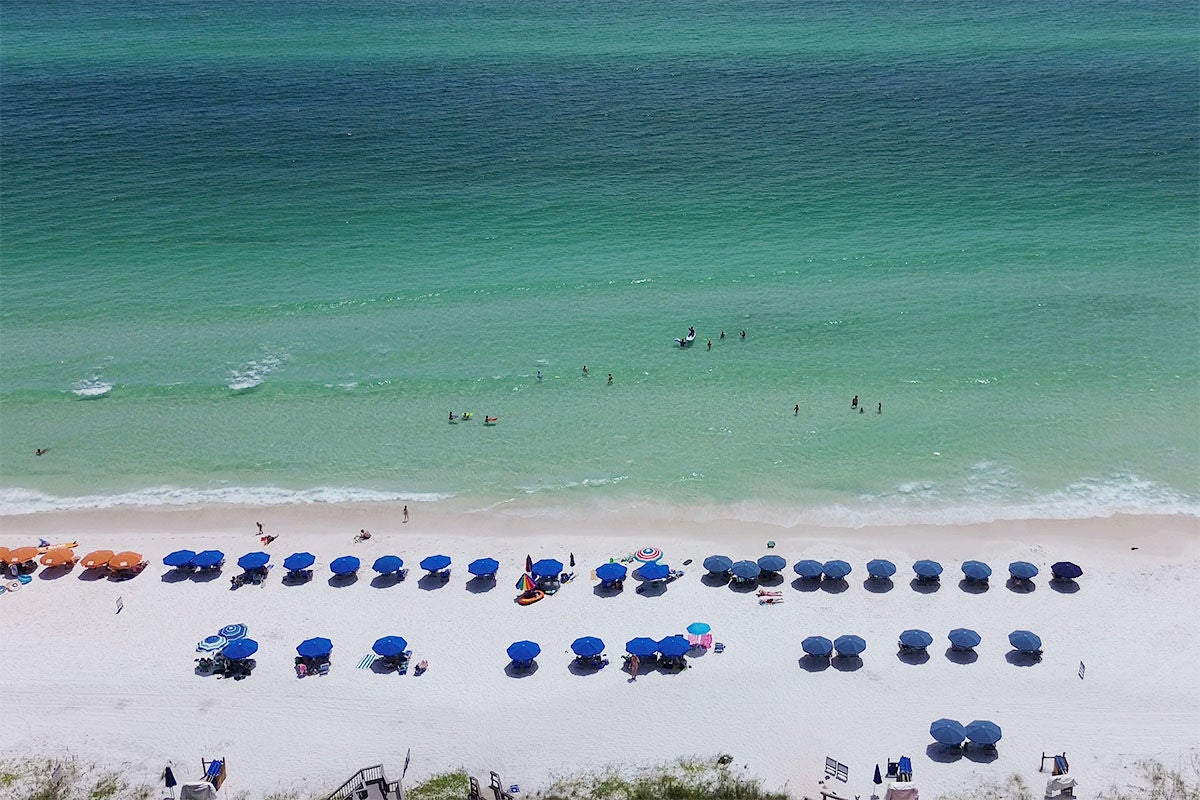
60 546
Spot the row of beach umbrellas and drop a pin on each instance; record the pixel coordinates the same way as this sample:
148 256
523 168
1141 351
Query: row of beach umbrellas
59 556
587 646
344 565
877 569
915 639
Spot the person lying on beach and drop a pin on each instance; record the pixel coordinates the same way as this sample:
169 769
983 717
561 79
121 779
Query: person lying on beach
268 539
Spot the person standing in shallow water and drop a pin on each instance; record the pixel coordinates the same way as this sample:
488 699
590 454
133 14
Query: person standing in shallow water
404 515
880 411
796 410
854 403
610 379
710 344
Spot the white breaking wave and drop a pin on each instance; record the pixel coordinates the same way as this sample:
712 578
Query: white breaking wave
253 373
26 501
90 388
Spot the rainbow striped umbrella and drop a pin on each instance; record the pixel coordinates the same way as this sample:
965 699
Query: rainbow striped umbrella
525 583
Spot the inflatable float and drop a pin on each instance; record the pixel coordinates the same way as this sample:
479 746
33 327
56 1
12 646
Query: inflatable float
529 598
687 340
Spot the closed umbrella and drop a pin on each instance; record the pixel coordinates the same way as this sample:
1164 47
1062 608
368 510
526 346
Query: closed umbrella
654 571
547 568
772 563
718 564
385 565
208 558
344 565
435 563
808 568
299 561
817 646
1025 641
390 646
745 570
239 649
1065 570
97 558
523 650
483 566
612 571
836 570
849 645
976 570
1022 570
916 639
674 646
982 731
587 646
947 731
180 558
880 568
964 638
641 647
253 560
315 648
927 569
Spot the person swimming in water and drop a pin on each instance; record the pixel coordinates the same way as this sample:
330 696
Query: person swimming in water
490 420
453 416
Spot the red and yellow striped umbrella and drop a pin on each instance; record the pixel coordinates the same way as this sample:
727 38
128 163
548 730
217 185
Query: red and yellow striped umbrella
99 558
21 554
58 556
126 560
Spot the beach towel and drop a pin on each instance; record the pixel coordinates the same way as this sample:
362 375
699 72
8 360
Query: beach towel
367 661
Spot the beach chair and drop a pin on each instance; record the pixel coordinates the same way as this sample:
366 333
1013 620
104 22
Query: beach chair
706 641
473 791
904 768
402 662
496 786
323 669
893 769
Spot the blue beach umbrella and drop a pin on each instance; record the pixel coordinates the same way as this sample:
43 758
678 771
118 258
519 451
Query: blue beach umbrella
1025 641
982 731
345 565
964 638
387 564
817 646
235 631
1065 570
523 651
654 571
389 646
718 564
315 648
674 646
916 639
881 568
772 563
745 570
699 628
1022 570
836 570
927 569
849 645
239 649
435 563
808 568
976 570
641 647
299 561
547 568
947 731
611 571
483 566
253 560
587 646
180 558
208 558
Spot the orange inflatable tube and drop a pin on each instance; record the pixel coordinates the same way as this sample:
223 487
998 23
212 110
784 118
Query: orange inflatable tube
531 598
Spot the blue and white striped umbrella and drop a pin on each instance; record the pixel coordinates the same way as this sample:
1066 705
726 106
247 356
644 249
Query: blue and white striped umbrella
234 631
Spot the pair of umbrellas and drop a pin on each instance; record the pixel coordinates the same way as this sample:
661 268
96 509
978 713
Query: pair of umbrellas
952 732
671 646
821 647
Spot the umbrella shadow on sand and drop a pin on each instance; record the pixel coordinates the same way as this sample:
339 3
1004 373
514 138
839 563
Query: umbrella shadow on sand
54 573
770 579
878 585
834 585
175 576
980 754
846 663
1020 586
811 663
481 583
714 579
432 580
385 580
652 588
205 575
601 590
925 587
943 753
914 657
743 587
1064 585
513 671
961 656
973 587
92 575
339 581
806 584
1019 659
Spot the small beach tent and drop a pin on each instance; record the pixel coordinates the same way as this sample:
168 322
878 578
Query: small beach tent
902 790
208 558
927 569
1065 571
849 645
523 651
389 646
976 570
674 646
484 567
642 647
435 563
836 569
808 569
1022 570
318 647
546 568
963 639
385 565
239 649
982 731
947 731
298 561
345 565
58 557
718 565
180 558
253 560
745 570
817 646
772 563
915 639
125 560
612 571
97 558
880 568
654 571
1025 641
587 646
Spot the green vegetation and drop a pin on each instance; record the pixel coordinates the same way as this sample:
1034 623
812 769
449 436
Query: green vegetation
447 786
1153 781
687 779
66 779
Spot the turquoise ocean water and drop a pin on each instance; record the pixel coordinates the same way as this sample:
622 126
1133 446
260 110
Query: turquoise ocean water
257 252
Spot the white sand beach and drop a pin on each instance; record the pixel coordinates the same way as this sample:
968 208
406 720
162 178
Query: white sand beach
119 688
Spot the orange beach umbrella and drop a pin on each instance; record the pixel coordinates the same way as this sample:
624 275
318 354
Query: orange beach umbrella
3 555
126 560
21 554
58 556
99 558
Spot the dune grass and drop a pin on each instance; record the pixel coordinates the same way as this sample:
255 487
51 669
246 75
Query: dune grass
686 779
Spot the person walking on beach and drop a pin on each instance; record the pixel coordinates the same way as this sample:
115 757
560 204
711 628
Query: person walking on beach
854 403
404 515
635 664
